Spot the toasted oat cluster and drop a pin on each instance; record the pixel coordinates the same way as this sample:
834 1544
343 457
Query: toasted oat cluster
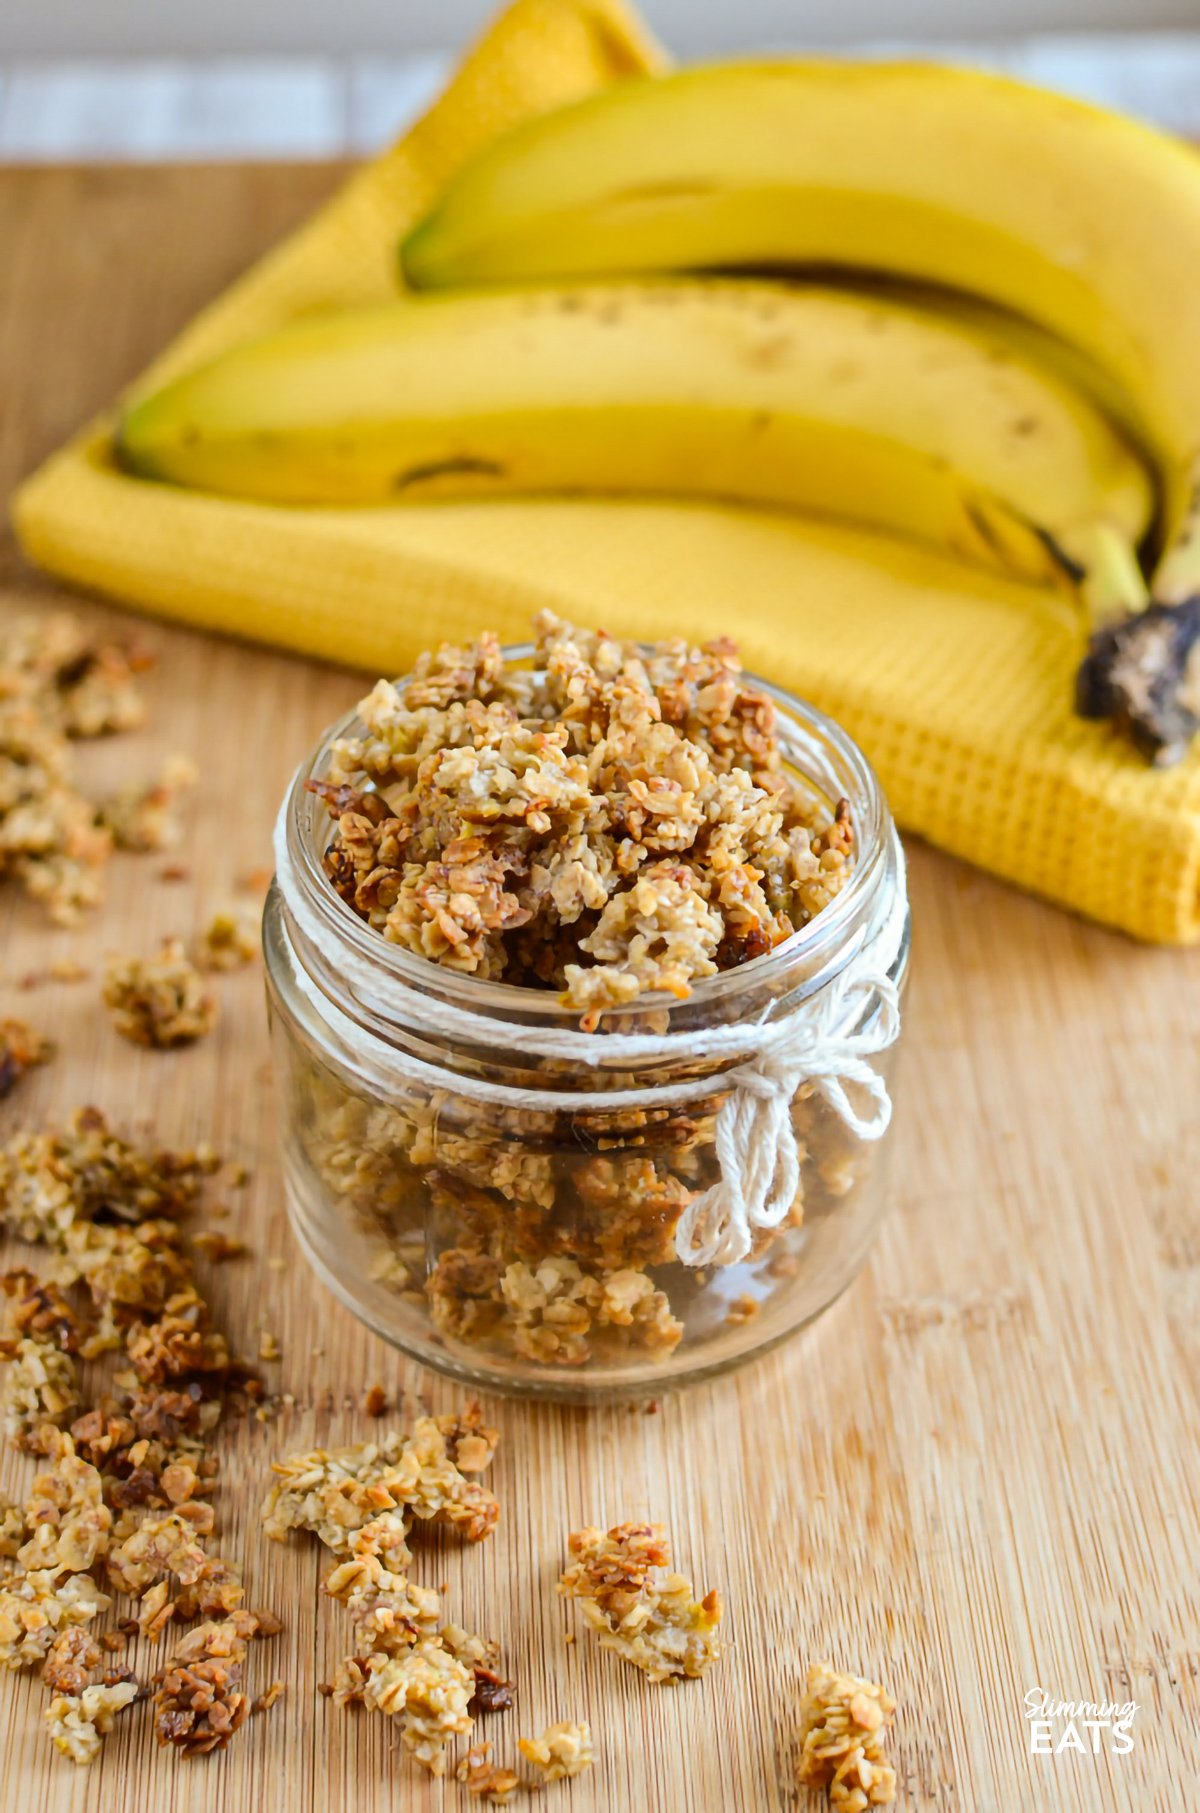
229 940
52 1181
199 1701
638 1606
563 1750
362 1501
21 1048
159 1001
145 816
58 684
485 1778
79 1722
608 822
121 1506
844 1722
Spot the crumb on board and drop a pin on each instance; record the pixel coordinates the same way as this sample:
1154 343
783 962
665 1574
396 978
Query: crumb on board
562 1751
844 1724
485 1778
219 1248
639 1607
159 1001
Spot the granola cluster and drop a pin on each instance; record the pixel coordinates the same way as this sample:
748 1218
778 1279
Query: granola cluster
122 1506
638 1606
562 1751
58 685
229 941
611 821
21 1049
844 1723
159 1001
362 1502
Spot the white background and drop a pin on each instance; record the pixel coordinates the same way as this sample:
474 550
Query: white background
57 28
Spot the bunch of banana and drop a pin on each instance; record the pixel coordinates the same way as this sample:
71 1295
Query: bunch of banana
808 398
1051 326
1080 221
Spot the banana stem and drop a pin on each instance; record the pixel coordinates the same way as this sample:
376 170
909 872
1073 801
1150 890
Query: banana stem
1111 582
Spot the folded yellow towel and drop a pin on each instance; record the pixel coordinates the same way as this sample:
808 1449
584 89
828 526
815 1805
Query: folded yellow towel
958 688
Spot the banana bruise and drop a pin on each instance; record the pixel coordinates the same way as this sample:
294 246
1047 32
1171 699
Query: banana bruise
1085 222
801 397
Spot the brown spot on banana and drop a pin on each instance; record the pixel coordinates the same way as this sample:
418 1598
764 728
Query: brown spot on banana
459 465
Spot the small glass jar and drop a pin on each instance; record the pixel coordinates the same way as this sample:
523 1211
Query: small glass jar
486 1188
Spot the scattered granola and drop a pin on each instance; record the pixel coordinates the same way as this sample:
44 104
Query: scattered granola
637 1605
40 1388
563 1750
613 821
58 684
123 1493
79 1722
229 941
844 1722
159 1001
484 1777
361 1502
21 1048
86 1172
369 1493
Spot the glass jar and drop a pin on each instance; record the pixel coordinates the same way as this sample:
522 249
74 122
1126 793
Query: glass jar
534 1208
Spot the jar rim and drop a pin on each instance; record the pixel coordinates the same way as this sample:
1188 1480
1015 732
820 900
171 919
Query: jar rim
823 945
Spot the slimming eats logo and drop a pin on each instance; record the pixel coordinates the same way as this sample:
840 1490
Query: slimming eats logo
1056 1726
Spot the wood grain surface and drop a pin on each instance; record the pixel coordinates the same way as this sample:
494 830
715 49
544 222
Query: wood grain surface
976 1475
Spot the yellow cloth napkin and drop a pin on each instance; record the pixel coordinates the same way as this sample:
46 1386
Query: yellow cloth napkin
957 687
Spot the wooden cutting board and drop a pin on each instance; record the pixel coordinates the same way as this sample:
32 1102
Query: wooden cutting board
976 1476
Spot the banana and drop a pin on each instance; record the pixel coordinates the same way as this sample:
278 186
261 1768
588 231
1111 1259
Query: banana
802 397
1085 222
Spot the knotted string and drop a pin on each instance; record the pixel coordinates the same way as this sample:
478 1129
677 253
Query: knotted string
755 1140
823 1044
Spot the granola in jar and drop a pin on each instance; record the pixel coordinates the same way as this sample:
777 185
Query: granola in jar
614 843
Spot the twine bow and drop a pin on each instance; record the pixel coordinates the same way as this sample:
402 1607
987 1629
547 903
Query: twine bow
755 1138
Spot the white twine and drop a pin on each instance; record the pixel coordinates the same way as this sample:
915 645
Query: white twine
824 1043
